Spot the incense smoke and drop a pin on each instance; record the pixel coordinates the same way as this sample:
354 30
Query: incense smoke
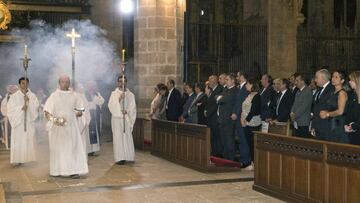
50 53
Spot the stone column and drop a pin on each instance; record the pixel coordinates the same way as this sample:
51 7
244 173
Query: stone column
105 14
158 45
283 20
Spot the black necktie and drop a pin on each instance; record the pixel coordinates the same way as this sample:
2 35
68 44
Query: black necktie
318 94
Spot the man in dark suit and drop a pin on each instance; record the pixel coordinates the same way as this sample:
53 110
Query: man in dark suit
321 127
189 89
284 101
301 109
214 90
268 98
197 108
241 95
173 102
226 101
293 86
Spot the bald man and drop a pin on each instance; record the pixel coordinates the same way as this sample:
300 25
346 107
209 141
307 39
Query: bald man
63 110
212 117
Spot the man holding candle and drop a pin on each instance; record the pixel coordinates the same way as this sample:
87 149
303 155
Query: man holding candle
22 139
122 107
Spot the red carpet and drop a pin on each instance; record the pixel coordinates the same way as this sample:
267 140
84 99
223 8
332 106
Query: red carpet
224 162
147 143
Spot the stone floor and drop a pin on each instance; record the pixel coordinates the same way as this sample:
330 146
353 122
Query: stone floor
149 179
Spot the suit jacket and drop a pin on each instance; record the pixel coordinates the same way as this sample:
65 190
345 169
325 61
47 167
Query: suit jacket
283 112
268 100
212 107
321 126
197 108
294 91
302 106
241 95
226 104
174 106
186 108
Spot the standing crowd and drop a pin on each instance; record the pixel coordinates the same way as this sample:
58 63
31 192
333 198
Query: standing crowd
325 107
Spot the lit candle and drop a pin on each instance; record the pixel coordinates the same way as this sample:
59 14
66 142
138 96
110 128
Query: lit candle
123 55
25 51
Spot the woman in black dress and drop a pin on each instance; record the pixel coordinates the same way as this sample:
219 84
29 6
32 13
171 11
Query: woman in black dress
352 126
336 108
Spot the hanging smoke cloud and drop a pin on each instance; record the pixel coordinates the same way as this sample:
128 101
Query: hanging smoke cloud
50 53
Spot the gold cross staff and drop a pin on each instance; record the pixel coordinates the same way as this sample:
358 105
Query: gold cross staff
73 35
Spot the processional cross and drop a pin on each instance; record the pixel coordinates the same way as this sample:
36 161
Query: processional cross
73 35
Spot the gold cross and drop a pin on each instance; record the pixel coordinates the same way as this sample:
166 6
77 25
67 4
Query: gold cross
73 35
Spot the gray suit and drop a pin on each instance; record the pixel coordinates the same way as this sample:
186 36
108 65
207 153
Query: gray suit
194 108
302 109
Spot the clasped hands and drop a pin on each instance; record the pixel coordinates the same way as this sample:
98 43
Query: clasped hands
26 101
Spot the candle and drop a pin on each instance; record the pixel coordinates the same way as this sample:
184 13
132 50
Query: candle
25 51
123 55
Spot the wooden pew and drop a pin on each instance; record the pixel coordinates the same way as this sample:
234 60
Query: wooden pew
306 170
282 128
141 126
184 144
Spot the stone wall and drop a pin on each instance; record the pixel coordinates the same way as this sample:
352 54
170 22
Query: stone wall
158 47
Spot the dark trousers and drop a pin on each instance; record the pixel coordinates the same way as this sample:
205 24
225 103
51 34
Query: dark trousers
249 135
302 131
354 138
216 145
228 140
245 157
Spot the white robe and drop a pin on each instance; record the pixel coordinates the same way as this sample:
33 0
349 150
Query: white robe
123 142
66 145
84 122
6 126
97 100
22 143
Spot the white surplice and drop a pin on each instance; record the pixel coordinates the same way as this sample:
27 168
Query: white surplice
123 142
22 142
6 124
84 122
96 100
66 145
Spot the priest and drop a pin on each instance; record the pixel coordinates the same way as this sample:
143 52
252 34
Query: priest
22 111
123 114
62 110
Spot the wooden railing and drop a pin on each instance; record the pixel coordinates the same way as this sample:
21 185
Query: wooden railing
185 144
306 170
139 131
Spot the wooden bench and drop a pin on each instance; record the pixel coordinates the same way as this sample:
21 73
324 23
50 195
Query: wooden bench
306 170
282 128
142 128
184 144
